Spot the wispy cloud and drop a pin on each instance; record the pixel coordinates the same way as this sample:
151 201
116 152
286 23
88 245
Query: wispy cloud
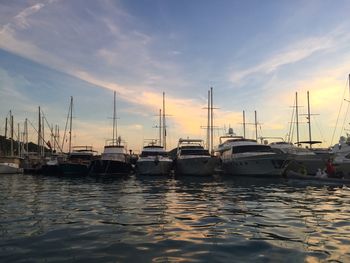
21 18
293 53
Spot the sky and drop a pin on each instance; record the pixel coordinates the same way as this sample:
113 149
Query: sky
256 55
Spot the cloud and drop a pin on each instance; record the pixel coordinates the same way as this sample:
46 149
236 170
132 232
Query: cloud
21 19
293 53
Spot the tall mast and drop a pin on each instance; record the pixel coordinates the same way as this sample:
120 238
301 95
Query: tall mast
256 126
208 122
6 128
55 138
70 124
39 132
11 123
42 137
160 127
297 116
164 124
26 134
113 138
211 121
309 117
58 138
18 141
243 124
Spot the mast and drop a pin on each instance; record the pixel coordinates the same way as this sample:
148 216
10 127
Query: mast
164 127
11 124
211 120
114 119
309 117
256 126
297 116
208 124
243 124
70 124
18 141
160 127
42 137
39 132
6 128
55 137
26 134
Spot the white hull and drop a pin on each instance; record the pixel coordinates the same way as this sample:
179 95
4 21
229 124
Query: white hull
10 168
261 165
202 165
154 167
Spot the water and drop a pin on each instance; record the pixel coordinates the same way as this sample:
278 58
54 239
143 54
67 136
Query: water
167 219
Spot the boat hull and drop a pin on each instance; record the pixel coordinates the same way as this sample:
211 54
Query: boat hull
74 169
261 165
200 166
109 167
153 167
51 169
7 168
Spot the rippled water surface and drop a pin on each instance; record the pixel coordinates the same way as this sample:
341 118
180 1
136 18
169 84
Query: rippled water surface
168 219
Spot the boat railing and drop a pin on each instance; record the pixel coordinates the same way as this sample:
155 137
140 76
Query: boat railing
224 138
114 142
190 142
82 148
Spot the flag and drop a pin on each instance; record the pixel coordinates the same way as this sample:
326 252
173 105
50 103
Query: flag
48 144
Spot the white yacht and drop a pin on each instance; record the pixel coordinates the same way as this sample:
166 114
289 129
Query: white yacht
308 159
193 159
240 156
341 156
10 165
154 160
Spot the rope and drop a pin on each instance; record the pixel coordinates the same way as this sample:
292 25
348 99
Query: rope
341 105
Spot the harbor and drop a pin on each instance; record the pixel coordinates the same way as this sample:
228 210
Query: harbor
232 155
174 131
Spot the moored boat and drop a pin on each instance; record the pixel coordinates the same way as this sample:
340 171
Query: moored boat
340 155
10 165
245 157
154 160
193 159
78 161
52 164
114 160
304 156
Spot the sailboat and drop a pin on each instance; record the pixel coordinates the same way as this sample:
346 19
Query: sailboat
10 164
79 157
299 158
115 159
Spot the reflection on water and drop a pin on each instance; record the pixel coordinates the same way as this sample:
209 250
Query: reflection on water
168 219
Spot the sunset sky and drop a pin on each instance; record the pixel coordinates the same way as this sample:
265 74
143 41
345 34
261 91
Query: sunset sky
255 55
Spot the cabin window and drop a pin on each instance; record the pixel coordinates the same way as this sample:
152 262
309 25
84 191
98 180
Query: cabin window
251 148
144 154
194 152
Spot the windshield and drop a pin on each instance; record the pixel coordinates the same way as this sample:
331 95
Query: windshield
251 148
